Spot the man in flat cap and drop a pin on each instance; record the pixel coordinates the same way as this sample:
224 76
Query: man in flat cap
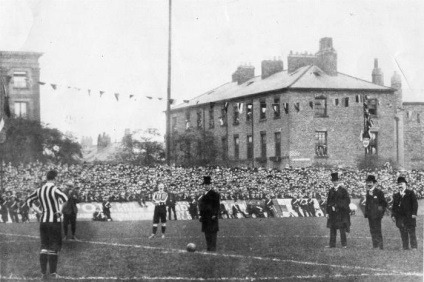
338 211
209 214
375 206
404 213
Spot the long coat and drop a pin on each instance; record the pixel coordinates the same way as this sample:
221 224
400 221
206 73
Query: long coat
375 204
209 207
340 217
403 209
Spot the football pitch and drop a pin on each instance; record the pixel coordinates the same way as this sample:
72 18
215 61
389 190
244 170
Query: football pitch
269 249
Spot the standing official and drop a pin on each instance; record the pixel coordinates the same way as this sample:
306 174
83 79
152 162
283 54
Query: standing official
50 227
209 213
171 202
338 212
404 213
106 205
159 200
375 206
70 211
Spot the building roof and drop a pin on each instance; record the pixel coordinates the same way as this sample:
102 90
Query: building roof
307 77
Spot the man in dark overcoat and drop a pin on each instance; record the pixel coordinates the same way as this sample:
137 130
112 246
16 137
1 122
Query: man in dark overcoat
338 211
404 213
375 206
209 214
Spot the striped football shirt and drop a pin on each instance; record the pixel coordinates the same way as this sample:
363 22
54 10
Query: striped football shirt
160 197
48 196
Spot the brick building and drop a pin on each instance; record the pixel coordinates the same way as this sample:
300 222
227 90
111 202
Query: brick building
21 73
306 114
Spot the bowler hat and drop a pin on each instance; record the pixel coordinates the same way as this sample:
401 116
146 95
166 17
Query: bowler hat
206 180
371 178
401 179
334 176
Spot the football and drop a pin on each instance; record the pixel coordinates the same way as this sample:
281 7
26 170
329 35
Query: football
191 247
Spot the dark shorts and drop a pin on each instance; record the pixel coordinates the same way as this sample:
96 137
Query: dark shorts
51 236
160 213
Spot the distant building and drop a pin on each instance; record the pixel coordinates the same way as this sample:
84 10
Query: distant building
306 114
21 73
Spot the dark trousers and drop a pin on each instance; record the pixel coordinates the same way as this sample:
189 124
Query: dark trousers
4 217
170 210
333 235
375 229
408 236
69 219
211 241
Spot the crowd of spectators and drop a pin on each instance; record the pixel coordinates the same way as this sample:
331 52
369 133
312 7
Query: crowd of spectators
123 182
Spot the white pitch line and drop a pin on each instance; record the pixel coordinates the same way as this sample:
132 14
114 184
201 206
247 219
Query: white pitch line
176 278
169 250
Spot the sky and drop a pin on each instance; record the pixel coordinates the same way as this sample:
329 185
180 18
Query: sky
121 46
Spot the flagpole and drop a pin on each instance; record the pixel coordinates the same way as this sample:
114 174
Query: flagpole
168 104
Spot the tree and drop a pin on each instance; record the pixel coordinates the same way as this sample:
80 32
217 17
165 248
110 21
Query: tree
142 148
194 148
28 141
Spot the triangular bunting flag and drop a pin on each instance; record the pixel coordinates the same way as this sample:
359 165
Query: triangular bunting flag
54 86
240 107
186 101
131 96
89 92
1 124
117 96
41 83
171 101
149 97
160 99
101 93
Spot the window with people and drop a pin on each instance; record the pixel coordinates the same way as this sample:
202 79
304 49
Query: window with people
371 149
321 144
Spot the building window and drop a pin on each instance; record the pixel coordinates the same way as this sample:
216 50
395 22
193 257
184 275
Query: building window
372 147
21 109
236 114
277 142
276 108
320 107
211 117
321 144
263 145
346 102
236 147
187 116
372 106
20 79
224 147
249 146
223 117
199 119
262 109
249 111
174 123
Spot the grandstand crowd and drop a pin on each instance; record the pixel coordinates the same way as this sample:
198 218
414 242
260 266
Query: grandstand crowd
123 182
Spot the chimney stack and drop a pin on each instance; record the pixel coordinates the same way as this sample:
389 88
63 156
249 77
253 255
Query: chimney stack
243 74
327 56
377 74
270 67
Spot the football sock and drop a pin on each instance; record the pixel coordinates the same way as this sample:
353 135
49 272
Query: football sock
52 263
43 262
155 229
163 229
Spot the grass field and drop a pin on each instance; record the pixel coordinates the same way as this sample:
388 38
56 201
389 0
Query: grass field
271 249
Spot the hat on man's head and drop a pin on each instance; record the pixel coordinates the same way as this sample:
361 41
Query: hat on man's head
206 180
371 178
401 179
335 176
